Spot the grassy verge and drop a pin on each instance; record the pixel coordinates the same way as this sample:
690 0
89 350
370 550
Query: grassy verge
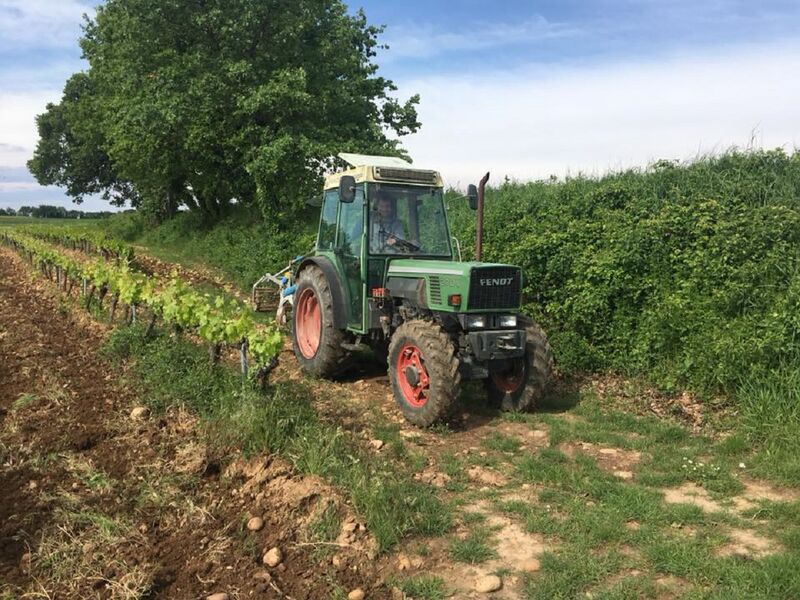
613 535
174 371
770 420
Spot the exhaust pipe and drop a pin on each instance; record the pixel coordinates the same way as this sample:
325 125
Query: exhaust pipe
479 228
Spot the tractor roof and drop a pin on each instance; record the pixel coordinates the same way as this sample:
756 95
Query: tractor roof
383 169
365 160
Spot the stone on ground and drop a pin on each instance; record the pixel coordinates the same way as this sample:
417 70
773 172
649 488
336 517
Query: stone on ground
488 583
273 558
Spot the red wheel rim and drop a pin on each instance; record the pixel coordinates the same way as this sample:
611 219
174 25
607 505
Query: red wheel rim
308 323
410 362
510 379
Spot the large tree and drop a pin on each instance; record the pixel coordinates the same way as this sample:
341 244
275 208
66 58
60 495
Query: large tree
207 102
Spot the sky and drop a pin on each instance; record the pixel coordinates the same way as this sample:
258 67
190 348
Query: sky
524 90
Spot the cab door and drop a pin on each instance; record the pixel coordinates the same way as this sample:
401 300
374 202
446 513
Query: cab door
349 252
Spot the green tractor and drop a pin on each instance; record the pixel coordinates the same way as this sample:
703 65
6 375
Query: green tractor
383 275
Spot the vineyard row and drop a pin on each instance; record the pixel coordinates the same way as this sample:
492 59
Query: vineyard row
216 321
90 242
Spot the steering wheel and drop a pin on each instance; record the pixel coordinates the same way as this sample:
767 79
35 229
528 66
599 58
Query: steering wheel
405 245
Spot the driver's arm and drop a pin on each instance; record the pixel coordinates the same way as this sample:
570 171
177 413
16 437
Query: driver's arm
397 229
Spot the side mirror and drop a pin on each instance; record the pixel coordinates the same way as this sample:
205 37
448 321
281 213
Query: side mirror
472 194
347 189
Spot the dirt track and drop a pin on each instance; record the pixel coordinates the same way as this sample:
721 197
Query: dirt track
121 505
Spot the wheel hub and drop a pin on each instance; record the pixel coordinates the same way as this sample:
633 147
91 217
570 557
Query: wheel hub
308 323
412 376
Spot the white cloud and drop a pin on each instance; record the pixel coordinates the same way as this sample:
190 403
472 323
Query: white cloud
19 186
528 123
18 133
421 41
41 23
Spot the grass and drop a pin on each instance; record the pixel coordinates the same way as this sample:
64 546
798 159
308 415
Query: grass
619 539
322 530
583 511
501 443
770 420
423 587
173 371
473 548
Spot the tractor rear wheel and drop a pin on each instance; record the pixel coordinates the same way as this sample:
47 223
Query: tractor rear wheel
521 382
424 373
317 343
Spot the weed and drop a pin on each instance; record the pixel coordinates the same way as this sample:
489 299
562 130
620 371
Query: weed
81 548
23 401
97 481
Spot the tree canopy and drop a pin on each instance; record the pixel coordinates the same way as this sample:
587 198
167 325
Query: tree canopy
71 148
202 104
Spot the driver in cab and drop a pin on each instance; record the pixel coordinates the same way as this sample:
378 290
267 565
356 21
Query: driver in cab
385 228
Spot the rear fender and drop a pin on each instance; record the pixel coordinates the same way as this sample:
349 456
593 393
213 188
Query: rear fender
332 277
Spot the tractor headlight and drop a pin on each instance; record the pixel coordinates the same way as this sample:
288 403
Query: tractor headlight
507 321
475 322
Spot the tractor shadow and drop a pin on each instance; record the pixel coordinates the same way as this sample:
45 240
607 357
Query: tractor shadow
474 411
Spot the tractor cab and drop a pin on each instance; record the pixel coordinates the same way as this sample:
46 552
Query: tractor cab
383 275
375 214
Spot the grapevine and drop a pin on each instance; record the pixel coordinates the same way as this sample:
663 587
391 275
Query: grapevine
215 320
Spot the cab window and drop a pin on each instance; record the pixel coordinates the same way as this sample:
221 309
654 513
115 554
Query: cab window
327 223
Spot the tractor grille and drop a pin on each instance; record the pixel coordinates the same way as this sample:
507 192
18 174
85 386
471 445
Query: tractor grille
435 288
494 287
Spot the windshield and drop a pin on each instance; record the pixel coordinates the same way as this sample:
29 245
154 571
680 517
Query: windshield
406 219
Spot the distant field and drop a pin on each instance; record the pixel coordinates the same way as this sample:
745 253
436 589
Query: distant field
55 222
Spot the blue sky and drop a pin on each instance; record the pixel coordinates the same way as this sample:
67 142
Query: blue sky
524 89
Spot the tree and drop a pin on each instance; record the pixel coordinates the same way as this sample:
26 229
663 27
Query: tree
70 151
207 103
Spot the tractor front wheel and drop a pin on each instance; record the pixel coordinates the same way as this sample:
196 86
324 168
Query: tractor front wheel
424 373
520 383
317 343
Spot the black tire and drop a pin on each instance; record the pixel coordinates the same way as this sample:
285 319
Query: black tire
436 354
330 358
534 372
